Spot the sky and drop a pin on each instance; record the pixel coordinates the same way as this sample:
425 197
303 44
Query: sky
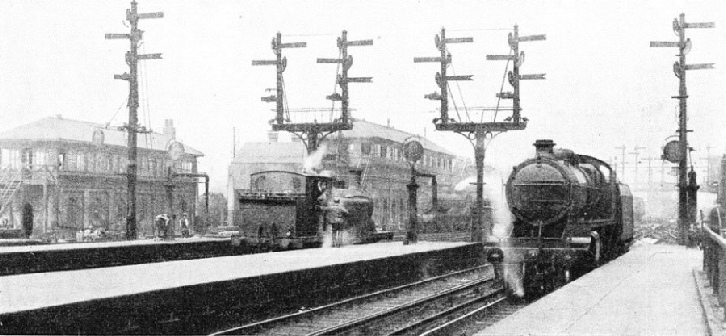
605 86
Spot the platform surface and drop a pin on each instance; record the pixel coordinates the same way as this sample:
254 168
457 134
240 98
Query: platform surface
648 291
97 245
37 290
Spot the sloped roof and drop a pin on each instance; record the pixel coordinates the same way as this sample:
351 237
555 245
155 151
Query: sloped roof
293 151
58 128
365 129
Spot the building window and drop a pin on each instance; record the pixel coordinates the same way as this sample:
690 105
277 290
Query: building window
403 213
26 158
101 163
11 158
162 168
141 165
384 151
111 161
365 148
152 167
71 164
183 166
41 157
90 163
122 164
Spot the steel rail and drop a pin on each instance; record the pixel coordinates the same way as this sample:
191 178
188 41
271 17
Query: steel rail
351 325
497 294
257 327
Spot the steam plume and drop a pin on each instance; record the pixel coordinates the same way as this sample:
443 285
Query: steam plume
313 161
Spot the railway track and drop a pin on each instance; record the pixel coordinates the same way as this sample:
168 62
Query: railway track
437 306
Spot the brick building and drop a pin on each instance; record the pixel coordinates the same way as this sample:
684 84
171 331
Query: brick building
72 174
371 152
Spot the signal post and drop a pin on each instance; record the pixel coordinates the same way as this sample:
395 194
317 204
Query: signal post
133 127
687 187
480 130
313 133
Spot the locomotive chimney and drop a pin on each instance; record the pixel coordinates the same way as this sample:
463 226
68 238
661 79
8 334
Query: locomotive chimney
545 146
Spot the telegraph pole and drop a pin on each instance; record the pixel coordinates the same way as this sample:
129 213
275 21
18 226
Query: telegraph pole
686 184
479 130
622 162
133 127
636 153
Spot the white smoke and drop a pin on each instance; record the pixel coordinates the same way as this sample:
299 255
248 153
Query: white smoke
465 183
513 277
502 217
502 223
493 191
313 161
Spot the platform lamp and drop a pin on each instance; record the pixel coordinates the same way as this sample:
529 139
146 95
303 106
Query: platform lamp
413 152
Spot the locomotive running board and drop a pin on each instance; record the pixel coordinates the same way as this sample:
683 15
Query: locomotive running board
545 243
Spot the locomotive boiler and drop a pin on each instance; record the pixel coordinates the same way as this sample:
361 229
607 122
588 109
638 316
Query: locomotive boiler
286 210
570 214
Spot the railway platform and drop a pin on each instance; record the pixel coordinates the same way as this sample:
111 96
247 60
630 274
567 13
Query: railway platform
206 295
36 258
651 290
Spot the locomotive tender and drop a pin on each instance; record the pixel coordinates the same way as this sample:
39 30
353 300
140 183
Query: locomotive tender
286 210
571 214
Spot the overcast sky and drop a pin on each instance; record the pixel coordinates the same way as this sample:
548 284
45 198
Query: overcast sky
605 86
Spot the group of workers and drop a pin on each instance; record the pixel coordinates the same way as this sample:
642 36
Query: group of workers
163 228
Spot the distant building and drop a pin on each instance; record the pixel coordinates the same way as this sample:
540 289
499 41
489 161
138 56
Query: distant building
72 174
369 153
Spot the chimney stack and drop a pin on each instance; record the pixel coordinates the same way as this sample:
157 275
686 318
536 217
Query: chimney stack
169 129
545 146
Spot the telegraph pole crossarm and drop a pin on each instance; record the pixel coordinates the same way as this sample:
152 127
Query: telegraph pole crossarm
133 128
686 183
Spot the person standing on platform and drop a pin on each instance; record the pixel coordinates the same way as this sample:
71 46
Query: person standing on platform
184 226
161 224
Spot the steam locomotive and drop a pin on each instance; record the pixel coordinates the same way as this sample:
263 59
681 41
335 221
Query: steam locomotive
571 215
287 210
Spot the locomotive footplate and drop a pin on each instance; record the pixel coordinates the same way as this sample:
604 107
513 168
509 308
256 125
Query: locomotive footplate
541 264
563 252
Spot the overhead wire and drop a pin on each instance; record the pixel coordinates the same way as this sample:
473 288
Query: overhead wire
461 96
501 88
285 105
125 101
145 100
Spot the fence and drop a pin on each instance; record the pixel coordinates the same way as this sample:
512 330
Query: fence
714 260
